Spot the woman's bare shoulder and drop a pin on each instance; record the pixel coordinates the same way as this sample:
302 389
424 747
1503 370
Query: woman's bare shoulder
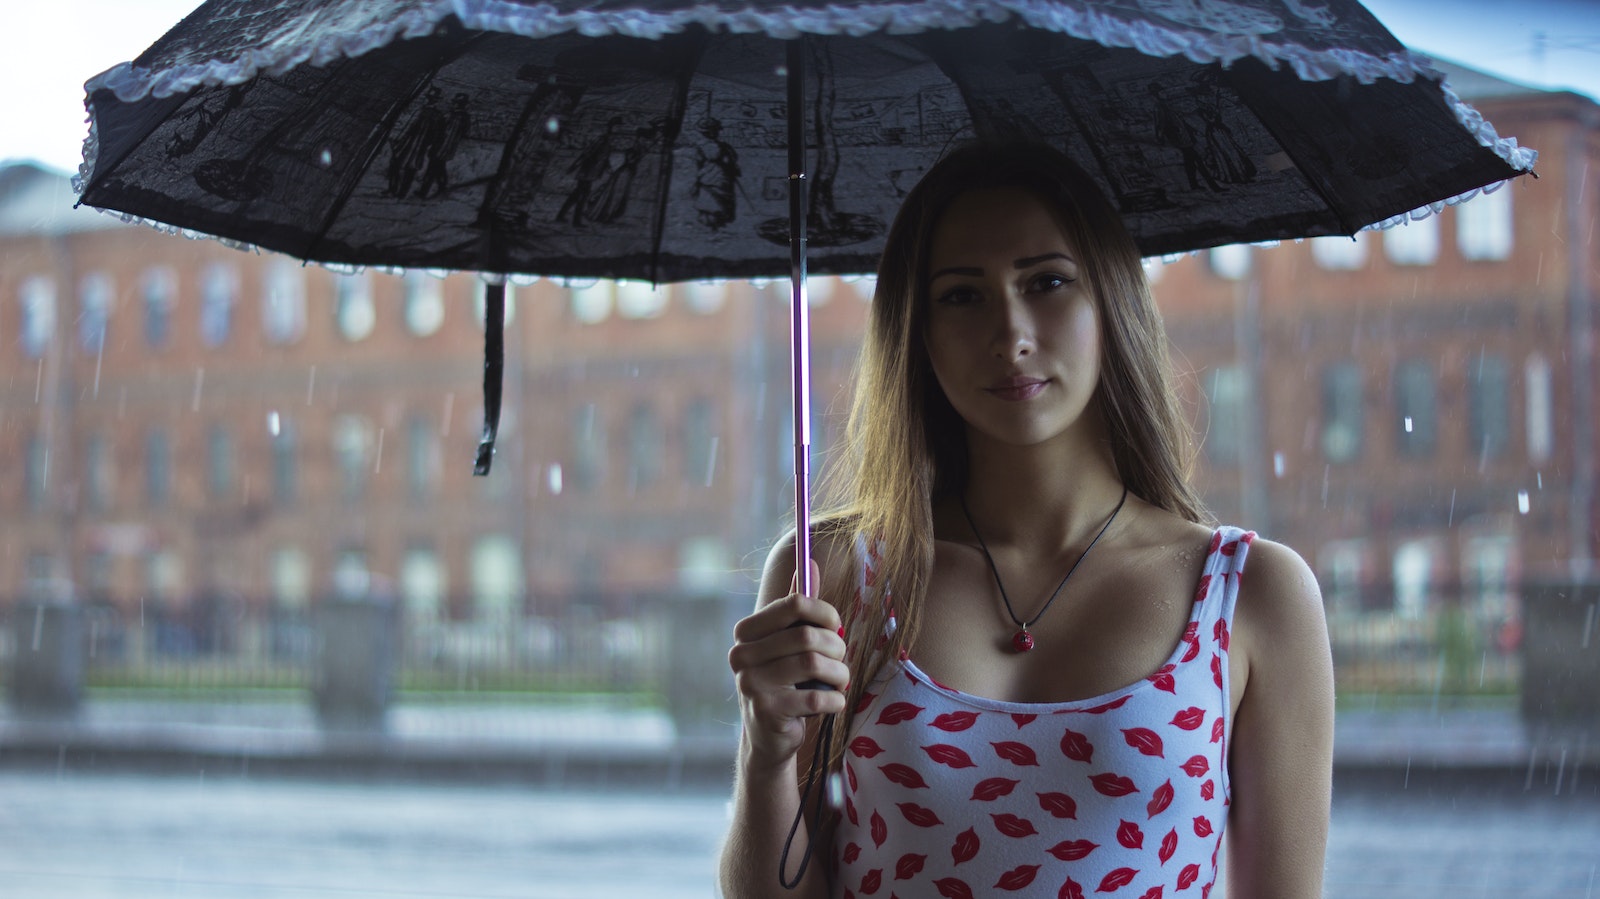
1155 530
832 549
1280 604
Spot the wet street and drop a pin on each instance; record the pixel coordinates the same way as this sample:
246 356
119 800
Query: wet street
131 836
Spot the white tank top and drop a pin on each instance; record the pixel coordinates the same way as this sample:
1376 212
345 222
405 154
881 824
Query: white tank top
953 795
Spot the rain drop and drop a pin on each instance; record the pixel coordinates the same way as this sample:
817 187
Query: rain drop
711 460
199 384
1522 501
552 125
1277 464
273 425
781 71
326 158
1408 424
553 478
377 454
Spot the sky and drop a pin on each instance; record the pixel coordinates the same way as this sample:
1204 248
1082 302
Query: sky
49 49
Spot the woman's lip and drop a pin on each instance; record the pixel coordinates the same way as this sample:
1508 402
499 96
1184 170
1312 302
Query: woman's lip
1016 389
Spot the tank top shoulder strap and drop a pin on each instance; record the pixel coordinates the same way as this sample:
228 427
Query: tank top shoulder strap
1218 592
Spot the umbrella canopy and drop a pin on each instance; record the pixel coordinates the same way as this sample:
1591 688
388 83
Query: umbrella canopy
672 139
647 140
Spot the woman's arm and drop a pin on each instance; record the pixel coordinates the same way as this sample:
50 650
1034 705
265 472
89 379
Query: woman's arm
1281 756
779 729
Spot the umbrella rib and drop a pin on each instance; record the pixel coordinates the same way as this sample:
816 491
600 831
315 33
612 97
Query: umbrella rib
380 134
669 139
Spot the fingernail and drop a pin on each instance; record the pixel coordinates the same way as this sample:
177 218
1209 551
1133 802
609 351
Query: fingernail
841 632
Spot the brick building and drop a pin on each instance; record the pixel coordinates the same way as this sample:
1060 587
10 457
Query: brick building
198 429
201 431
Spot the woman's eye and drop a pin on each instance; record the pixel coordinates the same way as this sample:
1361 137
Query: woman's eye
1049 281
958 296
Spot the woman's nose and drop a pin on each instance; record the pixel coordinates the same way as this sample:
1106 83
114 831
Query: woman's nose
1013 330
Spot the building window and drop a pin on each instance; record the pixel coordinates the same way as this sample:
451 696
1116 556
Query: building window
1342 409
1225 405
351 578
95 296
1488 406
352 452
158 289
422 584
705 297
353 310
285 465
1341 563
424 304
283 301
97 567
588 448
98 476
422 458
1231 261
1414 398
1484 226
291 579
1340 254
496 578
39 574
1413 578
699 441
1488 563
644 446
37 298
1540 411
591 304
219 461
1414 243
37 472
163 576
157 468
219 293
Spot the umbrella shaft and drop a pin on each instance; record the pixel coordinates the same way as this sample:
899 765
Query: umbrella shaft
799 308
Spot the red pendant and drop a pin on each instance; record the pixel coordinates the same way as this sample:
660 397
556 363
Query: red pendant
1022 641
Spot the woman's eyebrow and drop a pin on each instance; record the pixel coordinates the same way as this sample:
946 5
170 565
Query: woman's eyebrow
970 271
1029 261
973 271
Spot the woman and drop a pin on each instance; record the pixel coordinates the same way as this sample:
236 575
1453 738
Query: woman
1052 679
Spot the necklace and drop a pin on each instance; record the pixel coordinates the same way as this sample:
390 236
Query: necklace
1022 641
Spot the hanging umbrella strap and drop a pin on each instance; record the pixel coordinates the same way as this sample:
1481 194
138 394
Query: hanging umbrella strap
494 364
816 778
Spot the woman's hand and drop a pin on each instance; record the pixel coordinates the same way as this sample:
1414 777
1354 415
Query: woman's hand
774 651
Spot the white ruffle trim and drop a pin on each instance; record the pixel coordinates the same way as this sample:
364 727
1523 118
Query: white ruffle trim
130 84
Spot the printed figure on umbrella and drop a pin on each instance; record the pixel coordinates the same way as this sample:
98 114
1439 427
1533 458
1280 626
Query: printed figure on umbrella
422 152
716 176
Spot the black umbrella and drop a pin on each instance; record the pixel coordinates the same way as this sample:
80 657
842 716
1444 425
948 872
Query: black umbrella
668 139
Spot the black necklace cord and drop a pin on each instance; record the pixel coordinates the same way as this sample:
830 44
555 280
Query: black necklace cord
819 765
993 569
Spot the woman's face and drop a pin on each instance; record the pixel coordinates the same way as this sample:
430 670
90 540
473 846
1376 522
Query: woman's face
1013 327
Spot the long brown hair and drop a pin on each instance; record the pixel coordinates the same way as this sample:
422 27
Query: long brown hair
906 443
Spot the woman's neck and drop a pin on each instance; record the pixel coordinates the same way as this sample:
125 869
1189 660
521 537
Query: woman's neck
1042 497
